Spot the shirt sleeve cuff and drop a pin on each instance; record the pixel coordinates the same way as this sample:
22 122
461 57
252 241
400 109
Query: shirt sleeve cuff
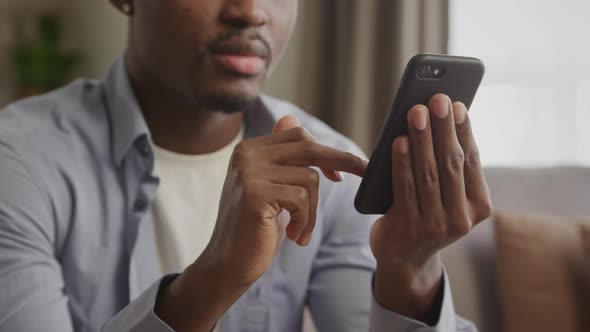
139 315
383 320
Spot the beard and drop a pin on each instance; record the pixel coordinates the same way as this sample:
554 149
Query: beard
228 104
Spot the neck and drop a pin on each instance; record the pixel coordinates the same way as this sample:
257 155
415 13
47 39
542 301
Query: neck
177 124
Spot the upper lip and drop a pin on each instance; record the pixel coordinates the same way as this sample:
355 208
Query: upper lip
238 45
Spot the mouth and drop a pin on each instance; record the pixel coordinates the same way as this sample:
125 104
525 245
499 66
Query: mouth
244 65
241 56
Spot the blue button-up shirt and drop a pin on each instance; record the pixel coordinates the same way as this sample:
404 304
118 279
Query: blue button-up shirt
77 249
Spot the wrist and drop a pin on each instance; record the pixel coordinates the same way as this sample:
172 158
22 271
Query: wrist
409 289
197 299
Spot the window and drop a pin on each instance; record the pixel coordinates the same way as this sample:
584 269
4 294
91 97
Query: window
533 108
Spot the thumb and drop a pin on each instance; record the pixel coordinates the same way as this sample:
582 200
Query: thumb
286 123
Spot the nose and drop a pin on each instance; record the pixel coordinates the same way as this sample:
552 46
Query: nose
244 13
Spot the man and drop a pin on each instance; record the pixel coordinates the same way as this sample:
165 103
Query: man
86 233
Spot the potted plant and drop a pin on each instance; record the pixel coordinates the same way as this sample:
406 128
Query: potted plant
40 64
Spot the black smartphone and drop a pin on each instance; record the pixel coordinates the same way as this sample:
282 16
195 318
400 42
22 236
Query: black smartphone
425 76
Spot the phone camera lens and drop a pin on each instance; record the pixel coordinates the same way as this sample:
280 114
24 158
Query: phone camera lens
425 71
430 72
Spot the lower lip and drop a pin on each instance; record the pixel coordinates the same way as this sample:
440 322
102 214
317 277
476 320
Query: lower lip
242 64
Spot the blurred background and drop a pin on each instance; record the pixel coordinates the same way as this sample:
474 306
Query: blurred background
531 117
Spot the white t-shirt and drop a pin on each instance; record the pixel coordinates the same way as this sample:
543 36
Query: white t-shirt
185 208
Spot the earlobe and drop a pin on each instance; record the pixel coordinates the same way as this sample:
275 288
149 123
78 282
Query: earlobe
125 6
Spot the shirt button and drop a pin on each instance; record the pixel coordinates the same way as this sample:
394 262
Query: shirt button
88 86
140 205
144 148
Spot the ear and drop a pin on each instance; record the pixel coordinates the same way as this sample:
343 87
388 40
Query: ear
124 6
116 3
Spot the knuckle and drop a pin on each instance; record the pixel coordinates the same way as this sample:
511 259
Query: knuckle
302 134
313 177
429 177
308 136
454 163
461 227
484 210
472 159
241 146
241 155
407 189
301 195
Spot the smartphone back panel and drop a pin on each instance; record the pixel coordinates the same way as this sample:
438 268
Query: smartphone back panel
425 76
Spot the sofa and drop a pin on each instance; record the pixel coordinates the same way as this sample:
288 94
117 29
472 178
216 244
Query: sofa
471 262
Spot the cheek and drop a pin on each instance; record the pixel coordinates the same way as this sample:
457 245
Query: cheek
169 35
173 25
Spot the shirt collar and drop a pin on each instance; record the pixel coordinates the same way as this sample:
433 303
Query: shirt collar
128 124
260 120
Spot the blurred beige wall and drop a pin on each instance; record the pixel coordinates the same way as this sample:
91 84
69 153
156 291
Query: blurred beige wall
283 80
98 30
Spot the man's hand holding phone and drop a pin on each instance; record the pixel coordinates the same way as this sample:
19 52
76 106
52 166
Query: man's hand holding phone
266 176
440 195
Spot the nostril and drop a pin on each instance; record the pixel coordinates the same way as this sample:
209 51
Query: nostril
259 17
244 14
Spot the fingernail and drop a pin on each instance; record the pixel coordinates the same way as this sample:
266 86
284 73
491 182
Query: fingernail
339 176
441 107
460 114
420 118
403 145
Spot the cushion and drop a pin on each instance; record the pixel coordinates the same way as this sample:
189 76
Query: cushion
585 284
585 229
542 272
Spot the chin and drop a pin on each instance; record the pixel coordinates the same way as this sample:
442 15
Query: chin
229 102
227 93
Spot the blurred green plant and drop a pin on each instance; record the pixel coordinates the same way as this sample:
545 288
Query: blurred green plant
40 64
